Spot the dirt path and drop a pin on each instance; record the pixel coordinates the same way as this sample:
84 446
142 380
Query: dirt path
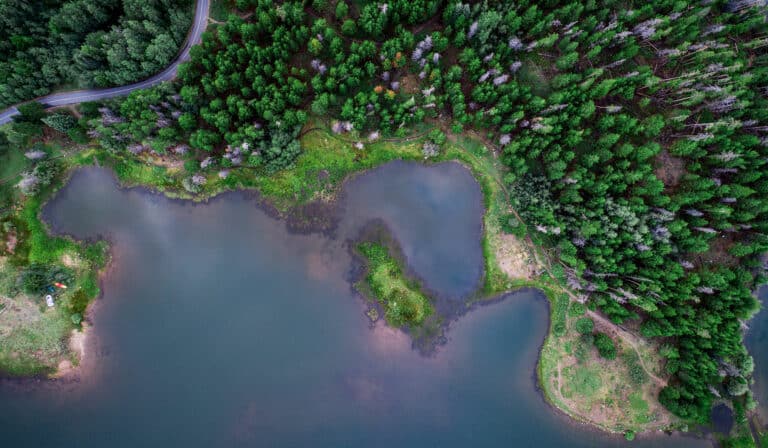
595 416
431 23
629 338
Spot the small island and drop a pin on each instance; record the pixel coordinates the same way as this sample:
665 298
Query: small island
394 292
403 302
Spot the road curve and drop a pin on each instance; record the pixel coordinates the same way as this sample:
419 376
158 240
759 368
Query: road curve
202 9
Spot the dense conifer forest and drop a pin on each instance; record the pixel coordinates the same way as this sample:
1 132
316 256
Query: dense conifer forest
45 44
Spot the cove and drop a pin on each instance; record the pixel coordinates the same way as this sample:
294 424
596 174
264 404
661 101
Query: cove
219 327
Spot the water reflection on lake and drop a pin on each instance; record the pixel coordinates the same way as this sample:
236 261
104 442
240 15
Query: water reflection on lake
219 328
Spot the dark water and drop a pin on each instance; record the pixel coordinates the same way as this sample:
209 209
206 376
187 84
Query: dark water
722 419
219 328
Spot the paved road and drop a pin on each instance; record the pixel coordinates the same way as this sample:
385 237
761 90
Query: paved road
202 9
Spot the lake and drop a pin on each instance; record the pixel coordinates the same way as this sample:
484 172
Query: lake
219 327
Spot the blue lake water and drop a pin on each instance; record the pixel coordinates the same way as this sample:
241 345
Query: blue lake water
218 327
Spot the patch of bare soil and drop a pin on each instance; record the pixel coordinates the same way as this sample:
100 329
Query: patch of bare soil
77 344
64 369
70 261
17 312
172 164
77 341
409 84
11 242
669 169
718 253
433 24
513 258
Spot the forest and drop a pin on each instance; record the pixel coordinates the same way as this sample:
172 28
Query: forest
45 44
636 137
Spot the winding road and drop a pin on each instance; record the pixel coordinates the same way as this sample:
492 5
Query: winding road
202 10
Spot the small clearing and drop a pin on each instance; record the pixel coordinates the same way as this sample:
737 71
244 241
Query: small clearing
514 258
409 84
31 334
669 169
173 165
71 260
30 338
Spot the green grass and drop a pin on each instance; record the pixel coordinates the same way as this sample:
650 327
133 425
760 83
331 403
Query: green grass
740 441
637 404
558 308
40 246
130 171
36 347
33 336
14 162
635 370
401 298
586 381
326 160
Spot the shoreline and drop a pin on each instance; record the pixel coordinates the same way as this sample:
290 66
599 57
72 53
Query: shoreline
295 216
